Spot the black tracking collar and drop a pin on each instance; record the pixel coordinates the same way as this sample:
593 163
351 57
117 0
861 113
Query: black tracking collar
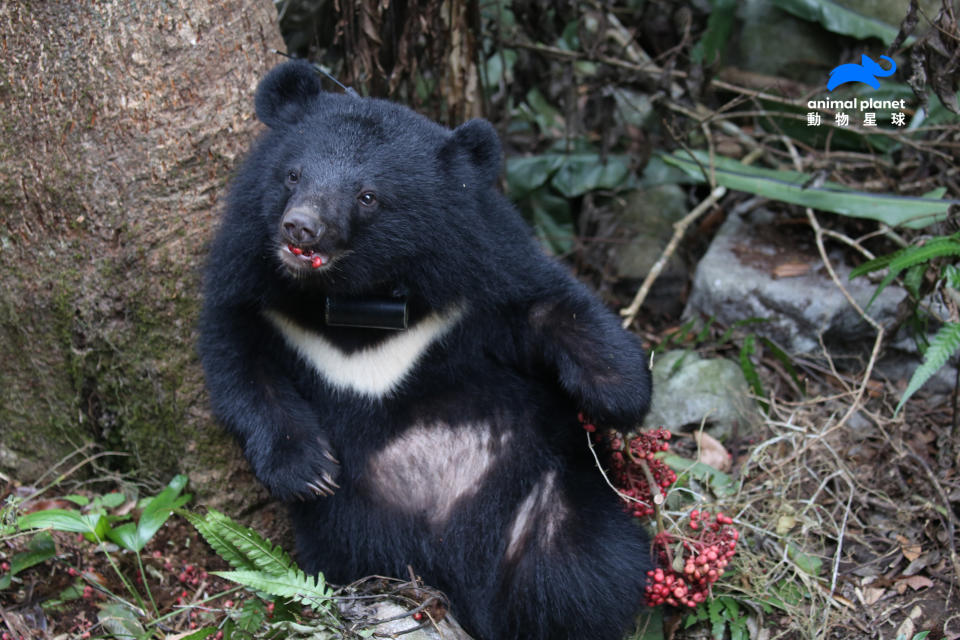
368 312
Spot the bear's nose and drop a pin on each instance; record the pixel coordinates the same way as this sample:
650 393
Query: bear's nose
301 227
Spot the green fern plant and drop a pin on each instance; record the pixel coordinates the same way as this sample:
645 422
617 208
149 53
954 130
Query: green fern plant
913 263
913 259
258 564
293 584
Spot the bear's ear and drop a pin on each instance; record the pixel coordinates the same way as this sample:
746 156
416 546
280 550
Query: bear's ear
479 139
286 93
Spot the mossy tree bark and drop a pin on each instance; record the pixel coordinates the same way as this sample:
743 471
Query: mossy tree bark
121 123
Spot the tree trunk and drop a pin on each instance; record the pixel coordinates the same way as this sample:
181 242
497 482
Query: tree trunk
121 123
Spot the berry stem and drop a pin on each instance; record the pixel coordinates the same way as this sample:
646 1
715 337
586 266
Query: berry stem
658 497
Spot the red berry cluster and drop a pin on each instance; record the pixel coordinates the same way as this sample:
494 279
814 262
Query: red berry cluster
191 575
633 464
704 558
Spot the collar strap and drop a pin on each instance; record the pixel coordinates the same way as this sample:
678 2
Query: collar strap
367 312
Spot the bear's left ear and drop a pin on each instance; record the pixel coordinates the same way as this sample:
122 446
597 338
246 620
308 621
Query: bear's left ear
286 93
479 139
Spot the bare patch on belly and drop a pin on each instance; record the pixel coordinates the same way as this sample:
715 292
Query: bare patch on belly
539 516
430 468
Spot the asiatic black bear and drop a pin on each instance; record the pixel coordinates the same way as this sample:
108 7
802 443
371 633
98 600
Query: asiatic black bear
452 445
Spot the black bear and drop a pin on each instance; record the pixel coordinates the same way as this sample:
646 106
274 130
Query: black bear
405 367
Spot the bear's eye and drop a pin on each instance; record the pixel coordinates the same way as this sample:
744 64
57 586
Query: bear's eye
293 176
367 199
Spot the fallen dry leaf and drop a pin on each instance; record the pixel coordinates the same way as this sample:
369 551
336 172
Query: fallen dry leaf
712 452
914 582
911 551
791 269
870 595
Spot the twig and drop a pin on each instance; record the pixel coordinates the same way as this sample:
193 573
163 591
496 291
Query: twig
603 472
839 553
679 228
819 233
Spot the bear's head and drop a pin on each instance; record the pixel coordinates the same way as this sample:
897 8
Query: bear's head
356 193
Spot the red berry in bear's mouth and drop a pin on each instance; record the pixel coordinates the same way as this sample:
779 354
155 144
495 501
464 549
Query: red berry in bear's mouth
317 262
294 250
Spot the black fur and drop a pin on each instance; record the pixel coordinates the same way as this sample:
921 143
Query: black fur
433 474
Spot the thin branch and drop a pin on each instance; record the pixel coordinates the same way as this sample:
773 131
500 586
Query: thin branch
679 228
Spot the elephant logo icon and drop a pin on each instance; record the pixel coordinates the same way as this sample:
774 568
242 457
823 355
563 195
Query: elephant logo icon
866 72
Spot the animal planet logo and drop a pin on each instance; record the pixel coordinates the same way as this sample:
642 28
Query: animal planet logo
866 72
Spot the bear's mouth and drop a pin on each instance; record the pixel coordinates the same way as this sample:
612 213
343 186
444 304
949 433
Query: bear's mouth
300 257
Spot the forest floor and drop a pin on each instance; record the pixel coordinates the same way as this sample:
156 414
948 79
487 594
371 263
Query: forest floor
846 519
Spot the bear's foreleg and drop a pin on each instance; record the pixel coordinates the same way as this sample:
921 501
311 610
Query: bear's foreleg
256 399
602 367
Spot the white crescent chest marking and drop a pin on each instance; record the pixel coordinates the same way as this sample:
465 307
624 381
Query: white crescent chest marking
374 371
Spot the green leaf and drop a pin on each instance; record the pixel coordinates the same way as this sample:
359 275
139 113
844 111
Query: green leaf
581 173
528 173
794 187
200 634
40 549
158 510
913 278
909 256
952 274
125 536
241 547
717 620
252 615
295 584
746 322
810 565
942 346
93 526
786 361
717 33
746 365
572 174
719 482
112 500
500 66
838 19
120 621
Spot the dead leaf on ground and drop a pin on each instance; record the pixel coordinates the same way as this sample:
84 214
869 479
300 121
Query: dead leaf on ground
712 452
911 551
870 595
914 582
791 269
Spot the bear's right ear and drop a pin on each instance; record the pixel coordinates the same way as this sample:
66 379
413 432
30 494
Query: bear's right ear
286 93
479 139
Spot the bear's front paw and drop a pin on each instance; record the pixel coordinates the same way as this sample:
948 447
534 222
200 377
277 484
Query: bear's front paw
300 470
324 484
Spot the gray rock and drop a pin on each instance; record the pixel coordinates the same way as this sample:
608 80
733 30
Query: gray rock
746 273
753 269
369 614
689 390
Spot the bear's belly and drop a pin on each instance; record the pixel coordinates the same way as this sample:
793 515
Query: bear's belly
431 468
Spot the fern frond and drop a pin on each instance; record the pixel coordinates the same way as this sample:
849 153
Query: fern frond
242 547
906 258
942 346
293 584
935 248
880 262
903 258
